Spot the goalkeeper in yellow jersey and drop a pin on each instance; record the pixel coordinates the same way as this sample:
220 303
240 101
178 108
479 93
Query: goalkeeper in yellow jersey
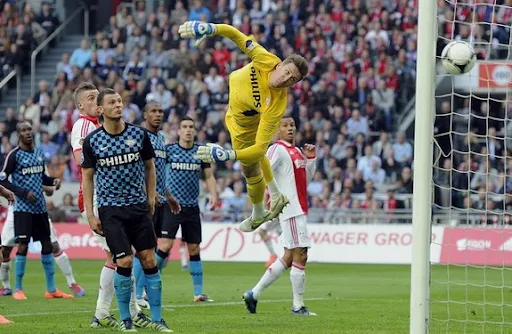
257 101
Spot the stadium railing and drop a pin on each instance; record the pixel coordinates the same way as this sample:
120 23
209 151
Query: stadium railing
59 31
14 73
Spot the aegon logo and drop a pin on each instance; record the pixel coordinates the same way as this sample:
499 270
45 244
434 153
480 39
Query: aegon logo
32 170
185 166
119 159
160 154
255 88
502 75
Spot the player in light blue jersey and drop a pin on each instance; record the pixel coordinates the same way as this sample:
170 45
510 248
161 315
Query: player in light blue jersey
183 178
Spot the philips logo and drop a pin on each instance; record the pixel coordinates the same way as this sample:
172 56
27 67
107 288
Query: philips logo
119 160
185 166
32 170
255 86
160 154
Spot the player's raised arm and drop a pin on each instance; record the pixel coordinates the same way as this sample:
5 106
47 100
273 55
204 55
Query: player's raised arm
201 30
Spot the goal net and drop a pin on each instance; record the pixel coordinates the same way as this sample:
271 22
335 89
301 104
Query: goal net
471 255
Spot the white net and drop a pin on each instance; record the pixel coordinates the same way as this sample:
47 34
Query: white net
471 279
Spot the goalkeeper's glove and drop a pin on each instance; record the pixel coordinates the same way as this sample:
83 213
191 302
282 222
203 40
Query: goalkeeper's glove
212 153
197 29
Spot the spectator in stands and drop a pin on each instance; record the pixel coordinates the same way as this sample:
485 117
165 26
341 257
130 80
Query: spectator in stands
384 99
357 124
81 56
402 150
47 19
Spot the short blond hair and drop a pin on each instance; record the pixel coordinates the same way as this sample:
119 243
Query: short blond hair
300 62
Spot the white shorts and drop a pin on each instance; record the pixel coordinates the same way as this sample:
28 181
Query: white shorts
8 237
102 242
295 233
270 225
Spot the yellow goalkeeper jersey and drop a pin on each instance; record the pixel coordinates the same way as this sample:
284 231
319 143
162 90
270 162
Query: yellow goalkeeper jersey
251 100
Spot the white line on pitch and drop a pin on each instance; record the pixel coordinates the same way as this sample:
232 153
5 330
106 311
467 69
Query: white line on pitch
167 306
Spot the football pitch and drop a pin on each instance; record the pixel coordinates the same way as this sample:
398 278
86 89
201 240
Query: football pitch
348 299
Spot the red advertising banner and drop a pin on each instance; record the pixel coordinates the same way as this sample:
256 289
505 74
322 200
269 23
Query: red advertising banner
79 243
495 75
477 246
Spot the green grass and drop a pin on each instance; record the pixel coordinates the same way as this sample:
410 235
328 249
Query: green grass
348 298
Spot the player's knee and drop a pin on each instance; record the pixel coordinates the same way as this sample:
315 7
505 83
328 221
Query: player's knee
6 252
193 249
300 256
251 170
125 261
56 248
288 257
166 245
46 247
22 248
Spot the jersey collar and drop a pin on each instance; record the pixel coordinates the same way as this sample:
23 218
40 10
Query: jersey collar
285 143
89 118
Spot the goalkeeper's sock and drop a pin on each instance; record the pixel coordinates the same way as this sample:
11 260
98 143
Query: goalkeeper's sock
256 191
266 168
298 279
273 272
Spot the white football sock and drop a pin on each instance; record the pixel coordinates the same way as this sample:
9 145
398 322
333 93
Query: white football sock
258 210
62 261
273 187
134 307
298 279
4 274
273 272
183 255
106 292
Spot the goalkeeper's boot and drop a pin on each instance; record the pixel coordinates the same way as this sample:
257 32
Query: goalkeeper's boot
127 325
141 320
303 311
277 203
108 321
250 301
250 224
202 298
160 326
5 292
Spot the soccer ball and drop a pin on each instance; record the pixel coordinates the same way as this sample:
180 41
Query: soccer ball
458 57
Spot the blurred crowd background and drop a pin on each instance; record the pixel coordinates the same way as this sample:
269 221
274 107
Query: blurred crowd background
362 60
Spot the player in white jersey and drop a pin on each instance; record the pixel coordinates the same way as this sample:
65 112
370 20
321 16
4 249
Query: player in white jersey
86 101
293 168
59 255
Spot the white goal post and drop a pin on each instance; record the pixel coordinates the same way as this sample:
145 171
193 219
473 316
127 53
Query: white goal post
461 280
422 182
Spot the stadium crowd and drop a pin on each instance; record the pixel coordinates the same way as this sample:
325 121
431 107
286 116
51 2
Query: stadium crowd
362 66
